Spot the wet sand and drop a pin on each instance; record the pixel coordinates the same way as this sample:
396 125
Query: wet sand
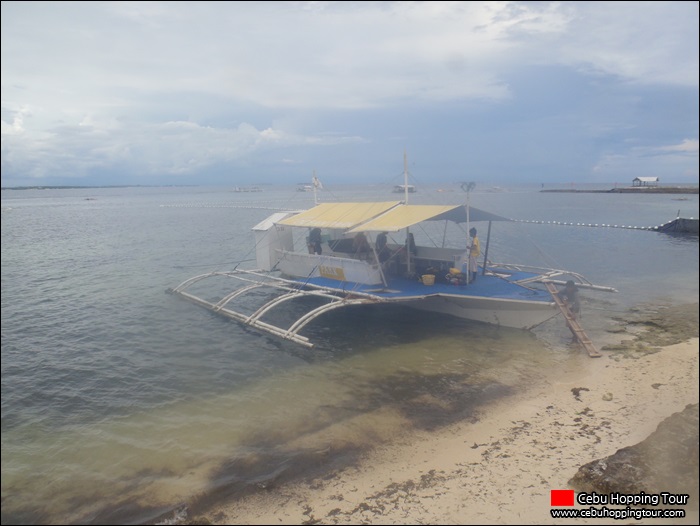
501 468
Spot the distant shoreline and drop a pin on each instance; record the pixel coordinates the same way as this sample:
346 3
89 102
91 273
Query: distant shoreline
621 190
631 190
58 187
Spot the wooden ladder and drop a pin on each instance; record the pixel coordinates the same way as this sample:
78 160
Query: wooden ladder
571 321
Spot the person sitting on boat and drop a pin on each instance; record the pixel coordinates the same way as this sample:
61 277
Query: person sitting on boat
474 249
314 241
569 294
411 243
360 246
383 252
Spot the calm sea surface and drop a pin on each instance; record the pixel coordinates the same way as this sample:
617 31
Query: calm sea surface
121 402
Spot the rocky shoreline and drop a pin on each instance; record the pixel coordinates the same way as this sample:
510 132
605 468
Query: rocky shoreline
666 461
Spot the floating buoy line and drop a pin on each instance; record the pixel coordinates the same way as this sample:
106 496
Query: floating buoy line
597 225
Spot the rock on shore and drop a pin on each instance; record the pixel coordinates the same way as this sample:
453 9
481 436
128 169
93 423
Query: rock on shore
665 461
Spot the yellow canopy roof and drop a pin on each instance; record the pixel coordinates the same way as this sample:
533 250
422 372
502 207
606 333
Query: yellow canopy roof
404 216
339 215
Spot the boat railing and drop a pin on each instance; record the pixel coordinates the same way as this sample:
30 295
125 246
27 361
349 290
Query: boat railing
544 274
337 268
446 255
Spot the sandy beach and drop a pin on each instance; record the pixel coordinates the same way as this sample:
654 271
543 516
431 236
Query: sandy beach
501 468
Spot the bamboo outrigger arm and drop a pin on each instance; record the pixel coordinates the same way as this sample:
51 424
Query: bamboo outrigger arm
255 319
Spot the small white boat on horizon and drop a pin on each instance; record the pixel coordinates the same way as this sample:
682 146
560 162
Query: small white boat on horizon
404 188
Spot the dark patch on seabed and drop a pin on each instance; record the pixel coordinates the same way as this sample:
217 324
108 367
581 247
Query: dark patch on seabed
431 402
427 402
661 326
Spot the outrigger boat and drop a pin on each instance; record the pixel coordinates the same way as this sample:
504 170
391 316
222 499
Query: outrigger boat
401 188
336 259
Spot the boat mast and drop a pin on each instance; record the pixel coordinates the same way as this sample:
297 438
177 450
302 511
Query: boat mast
468 189
405 194
316 183
405 178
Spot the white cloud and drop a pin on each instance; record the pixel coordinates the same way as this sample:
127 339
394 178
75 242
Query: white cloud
173 148
643 42
329 55
687 146
175 87
15 127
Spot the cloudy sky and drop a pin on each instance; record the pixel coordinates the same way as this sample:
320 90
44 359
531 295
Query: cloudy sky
105 93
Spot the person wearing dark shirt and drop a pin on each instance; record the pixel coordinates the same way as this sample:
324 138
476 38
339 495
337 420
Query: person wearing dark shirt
569 294
383 252
314 242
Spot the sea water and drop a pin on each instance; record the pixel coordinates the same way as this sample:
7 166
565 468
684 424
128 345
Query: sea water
121 402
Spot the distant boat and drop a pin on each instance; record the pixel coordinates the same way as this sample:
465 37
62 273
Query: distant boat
247 189
305 187
680 225
403 188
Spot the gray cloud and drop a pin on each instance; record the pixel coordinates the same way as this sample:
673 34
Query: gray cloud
178 90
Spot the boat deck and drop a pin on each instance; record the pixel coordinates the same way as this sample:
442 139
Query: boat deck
401 288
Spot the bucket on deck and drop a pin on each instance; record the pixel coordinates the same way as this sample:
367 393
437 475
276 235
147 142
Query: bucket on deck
428 279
